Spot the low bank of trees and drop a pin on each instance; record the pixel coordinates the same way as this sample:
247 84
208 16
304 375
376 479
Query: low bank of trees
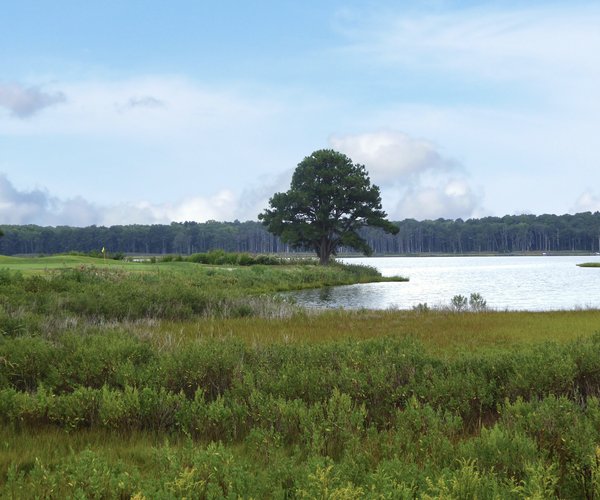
511 233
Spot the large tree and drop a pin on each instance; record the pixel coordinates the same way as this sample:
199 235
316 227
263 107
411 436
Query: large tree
329 200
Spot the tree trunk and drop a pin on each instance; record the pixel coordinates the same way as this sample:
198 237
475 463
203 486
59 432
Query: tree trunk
323 251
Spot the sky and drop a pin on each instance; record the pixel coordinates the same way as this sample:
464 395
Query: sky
121 112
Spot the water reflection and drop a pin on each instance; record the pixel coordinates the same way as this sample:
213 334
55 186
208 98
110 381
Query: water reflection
326 294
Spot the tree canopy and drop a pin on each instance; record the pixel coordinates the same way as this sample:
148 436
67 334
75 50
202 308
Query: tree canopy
329 200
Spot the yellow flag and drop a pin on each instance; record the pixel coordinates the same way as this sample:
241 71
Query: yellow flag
103 250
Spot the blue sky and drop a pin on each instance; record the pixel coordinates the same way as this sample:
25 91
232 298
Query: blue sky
121 112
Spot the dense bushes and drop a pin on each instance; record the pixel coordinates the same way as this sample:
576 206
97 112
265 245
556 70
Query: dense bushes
504 422
382 374
219 257
379 371
425 454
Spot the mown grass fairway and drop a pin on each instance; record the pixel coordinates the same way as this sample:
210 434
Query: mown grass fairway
38 264
171 380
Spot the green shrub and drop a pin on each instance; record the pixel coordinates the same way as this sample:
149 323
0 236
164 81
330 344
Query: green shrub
585 355
563 430
119 409
467 481
207 366
27 362
543 370
158 409
76 409
497 450
210 472
477 303
423 434
458 303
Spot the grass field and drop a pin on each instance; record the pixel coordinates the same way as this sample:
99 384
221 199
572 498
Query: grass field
440 332
177 379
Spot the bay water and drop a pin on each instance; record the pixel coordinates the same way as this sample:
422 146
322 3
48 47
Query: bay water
533 283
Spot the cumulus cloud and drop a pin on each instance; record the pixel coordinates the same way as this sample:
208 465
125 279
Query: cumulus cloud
220 206
417 181
449 199
38 206
508 86
587 202
23 102
390 156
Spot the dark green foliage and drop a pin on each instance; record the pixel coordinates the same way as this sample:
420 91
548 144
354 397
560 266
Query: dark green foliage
329 200
220 257
568 432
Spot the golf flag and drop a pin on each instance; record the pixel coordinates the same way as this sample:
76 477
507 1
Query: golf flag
103 250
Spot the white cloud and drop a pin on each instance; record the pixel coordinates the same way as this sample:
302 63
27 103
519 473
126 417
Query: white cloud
162 108
416 180
509 90
23 102
16 206
255 198
160 138
38 206
221 206
587 202
449 199
390 156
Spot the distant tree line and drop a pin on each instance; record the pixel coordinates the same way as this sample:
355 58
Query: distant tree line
511 233
175 238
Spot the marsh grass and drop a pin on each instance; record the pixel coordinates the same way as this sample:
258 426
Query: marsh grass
175 290
441 332
51 445
179 379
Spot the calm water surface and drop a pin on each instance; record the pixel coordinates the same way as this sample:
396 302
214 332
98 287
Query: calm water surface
515 283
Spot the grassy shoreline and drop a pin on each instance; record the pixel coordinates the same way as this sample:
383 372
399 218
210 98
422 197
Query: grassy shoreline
68 287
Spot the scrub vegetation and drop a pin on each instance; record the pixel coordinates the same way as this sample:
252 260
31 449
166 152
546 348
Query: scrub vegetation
176 379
